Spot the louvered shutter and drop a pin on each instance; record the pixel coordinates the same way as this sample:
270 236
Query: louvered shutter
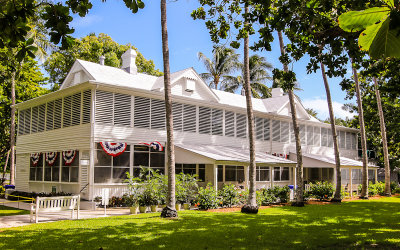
27 122
57 113
353 141
342 139
241 126
204 120
348 140
285 132
330 138
324 137
87 100
35 117
142 112
302 134
267 129
67 111
104 107
50 116
317 136
41 117
292 137
189 118
259 126
217 122
229 123
76 109
21 122
157 114
310 138
177 114
122 110
276 130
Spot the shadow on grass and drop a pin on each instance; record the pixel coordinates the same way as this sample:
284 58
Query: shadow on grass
7 211
348 225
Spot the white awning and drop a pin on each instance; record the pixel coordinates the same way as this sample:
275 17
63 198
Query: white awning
327 161
232 154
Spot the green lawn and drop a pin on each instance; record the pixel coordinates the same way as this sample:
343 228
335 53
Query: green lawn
356 224
6 211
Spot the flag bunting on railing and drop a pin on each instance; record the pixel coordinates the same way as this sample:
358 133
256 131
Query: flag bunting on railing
69 157
35 159
51 157
114 148
155 145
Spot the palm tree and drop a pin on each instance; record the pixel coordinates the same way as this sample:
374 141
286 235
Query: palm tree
223 62
169 210
384 139
299 168
251 206
258 67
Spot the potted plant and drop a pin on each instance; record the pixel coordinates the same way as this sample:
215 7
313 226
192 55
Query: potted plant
131 201
186 184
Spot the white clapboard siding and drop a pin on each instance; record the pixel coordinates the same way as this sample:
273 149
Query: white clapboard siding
216 122
35 117
22 172
142 112
41 118
76 109
87 98
324 137
157 114
177 114
50 116
122 110
189 118
229 123
317 137
241 125
57 113
259 127
276 130
67 102
204 120
104 107
267 129
284 132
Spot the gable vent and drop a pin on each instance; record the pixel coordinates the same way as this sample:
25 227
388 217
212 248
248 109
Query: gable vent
190 85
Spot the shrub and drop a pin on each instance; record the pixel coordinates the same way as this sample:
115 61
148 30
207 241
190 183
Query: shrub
207 197
321 190
229 195
2 191
374 189
281 194
394 187
185 187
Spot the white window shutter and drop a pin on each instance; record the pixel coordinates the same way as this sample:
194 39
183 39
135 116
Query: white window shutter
104 107
285 132
157 114
276 130
142 112
177 113
87 100
204 120
122 110
229 123
241 125
189 118
216 121
57 113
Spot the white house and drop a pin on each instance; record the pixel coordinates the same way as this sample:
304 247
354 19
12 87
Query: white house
66 139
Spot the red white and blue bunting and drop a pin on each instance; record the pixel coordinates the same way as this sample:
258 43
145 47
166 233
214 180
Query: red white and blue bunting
114 148
155 145
35 159
284 156
51 157
69 156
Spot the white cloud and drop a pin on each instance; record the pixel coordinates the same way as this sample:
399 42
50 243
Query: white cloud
321 106
88 20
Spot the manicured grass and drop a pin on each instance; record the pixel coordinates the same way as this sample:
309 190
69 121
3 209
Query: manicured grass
356 224
7 211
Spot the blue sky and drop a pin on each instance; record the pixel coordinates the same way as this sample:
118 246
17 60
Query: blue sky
187 37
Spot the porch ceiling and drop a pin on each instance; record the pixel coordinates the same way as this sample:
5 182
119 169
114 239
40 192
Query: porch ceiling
231 154
327 161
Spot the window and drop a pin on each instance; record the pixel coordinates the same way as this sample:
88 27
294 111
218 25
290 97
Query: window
76 109
281 174
345 176
356 175
371 175
216 122
122 110
330 138
276 130
348 140
70 173
234 173
143 156
52 172
202 172
262 173
353 141
141 112
292 137
157 114
229 123
241 126
185 168
36 172
109 169
285 132
204 120
23 121
220 174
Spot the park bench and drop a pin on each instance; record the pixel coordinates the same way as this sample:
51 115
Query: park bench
55 204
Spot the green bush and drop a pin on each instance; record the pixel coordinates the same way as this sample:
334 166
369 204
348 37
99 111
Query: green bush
321 190
229 195
185 187
243 196
394 187
2 191
374 189
282 194
207 197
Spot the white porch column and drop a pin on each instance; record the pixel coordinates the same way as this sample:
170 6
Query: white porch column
271 176
351 182
376 175
294 177
321 178
215 179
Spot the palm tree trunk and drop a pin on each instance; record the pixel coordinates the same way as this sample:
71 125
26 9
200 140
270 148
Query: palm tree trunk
251 207
337 195
299 166
384 139
12 130
170 210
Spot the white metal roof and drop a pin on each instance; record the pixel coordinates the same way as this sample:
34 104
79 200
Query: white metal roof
330 162
224 153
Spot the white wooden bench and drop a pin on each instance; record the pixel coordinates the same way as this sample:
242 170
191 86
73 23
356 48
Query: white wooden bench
55 204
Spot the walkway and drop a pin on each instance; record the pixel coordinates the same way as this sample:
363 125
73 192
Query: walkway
23 220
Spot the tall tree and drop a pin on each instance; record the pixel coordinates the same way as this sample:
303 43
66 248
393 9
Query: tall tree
223 62
258 68
168 211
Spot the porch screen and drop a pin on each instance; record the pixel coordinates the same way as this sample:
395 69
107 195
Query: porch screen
262 174
143 156
70 171
234 173
109 169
